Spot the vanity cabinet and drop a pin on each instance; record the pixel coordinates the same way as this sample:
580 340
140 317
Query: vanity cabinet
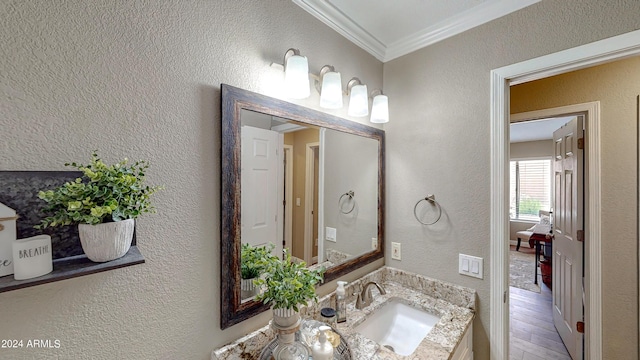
464 351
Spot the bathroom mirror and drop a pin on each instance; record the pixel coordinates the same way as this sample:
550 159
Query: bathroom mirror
299 179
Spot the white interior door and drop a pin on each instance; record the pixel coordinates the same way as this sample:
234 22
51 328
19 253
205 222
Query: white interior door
259 187
568 225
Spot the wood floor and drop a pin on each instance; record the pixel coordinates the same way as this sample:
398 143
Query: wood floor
531 331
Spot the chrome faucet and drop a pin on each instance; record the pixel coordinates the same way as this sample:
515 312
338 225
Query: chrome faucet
364 297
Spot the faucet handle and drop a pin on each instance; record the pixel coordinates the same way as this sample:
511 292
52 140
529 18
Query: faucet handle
359 302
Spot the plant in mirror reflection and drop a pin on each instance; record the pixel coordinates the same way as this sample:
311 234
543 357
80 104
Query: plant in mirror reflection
287 284
254 259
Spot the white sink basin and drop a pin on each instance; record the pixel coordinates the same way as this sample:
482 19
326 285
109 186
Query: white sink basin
398 327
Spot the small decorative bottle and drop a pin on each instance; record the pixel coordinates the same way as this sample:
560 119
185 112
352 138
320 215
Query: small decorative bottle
341 302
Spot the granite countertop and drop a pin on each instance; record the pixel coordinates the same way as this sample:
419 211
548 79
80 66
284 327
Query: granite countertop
454 304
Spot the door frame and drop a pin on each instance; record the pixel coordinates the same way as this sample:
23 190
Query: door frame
288 196
591 113
308 199
596 53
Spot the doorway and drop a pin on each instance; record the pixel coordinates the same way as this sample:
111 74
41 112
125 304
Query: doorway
596 53
543 307
311 203
288 196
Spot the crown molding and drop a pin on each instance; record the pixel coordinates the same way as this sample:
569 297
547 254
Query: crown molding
455 25
478 15
344 25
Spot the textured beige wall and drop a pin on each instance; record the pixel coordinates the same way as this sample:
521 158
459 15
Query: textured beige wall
438 142
141 79
351 164
616 86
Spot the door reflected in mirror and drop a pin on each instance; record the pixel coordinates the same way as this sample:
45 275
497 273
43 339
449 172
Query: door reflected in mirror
311 190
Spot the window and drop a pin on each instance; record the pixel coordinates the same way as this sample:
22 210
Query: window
529 188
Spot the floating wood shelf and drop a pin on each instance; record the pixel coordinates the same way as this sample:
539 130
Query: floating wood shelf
71 267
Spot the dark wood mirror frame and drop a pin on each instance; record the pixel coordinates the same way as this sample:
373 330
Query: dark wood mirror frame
233 101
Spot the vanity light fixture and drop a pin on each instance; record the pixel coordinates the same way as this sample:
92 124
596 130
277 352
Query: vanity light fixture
331 89
296 74
358 98
380 107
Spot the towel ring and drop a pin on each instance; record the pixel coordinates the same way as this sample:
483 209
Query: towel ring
350 194
432 200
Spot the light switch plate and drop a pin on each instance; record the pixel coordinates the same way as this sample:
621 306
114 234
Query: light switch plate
331 234
374 243
396 252
470 265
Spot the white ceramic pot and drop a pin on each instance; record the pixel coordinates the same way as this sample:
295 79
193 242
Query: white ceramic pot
107 241
285 318
249 290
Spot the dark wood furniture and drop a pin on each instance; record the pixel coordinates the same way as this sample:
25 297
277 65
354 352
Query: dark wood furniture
538 239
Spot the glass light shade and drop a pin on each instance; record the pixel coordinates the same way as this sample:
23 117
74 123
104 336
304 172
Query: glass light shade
358 101
296 77
331 95
380 109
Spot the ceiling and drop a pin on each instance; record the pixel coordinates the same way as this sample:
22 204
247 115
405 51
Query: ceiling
536 130
391 28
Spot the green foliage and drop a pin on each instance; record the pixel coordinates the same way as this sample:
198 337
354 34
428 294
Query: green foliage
254 260
288 284
105 193
530 206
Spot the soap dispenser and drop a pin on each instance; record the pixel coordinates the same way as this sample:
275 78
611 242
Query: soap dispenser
322 349
341 302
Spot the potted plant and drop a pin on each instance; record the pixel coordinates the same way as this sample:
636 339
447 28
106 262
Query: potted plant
254 259
285 286
104 204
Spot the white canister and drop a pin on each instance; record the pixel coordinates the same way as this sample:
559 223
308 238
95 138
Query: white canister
32 257
7 237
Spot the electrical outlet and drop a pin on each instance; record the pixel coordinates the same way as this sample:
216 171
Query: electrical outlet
396 253
331 234
374 243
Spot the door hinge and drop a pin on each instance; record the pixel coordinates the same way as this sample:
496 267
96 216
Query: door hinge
580 327
581 143
504 297
580 235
